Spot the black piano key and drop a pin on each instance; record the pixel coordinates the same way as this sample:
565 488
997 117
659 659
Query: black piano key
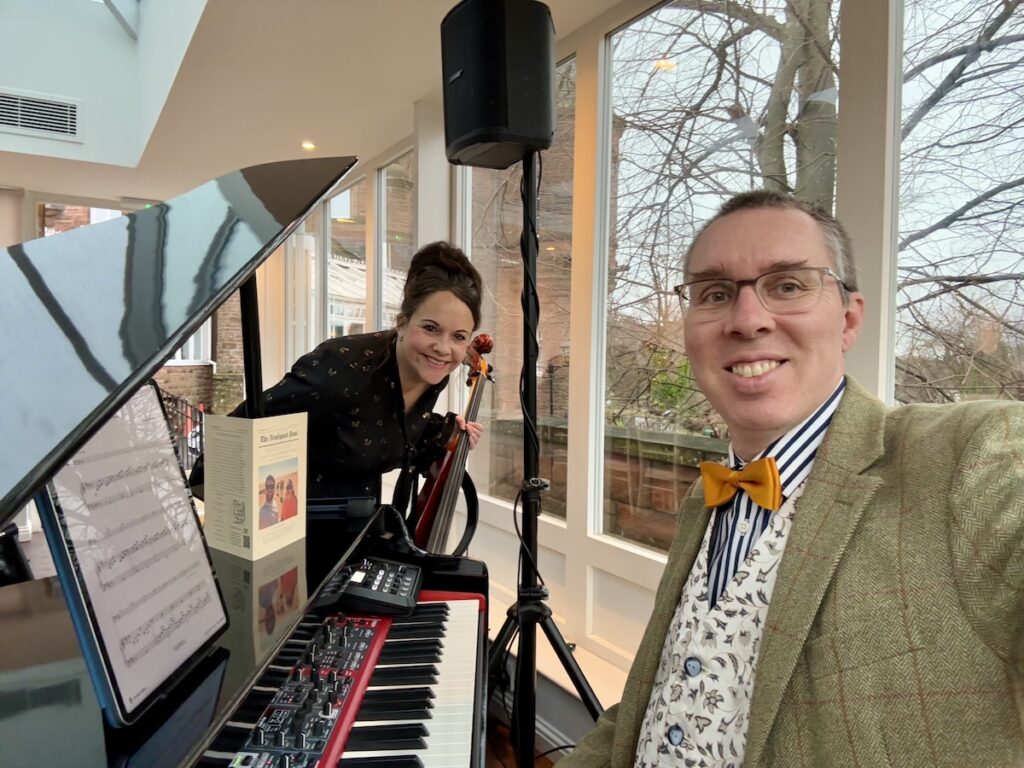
393 713
372 708
414 652
423 612
384 737
214 762
428 643
273 678
417 674
410 657
305 631
230 739
394 761
252 706
288 657
421 631
401 694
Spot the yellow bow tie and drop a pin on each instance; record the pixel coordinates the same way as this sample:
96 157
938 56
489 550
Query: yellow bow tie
760 479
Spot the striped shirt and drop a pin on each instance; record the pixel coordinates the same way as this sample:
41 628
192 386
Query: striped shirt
740 523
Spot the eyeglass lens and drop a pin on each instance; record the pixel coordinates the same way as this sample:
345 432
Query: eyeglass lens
784 292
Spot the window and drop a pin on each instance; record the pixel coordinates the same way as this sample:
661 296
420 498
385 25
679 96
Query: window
397 232
54 218
704 103
497 221
960 295
197 347
346 266
302 289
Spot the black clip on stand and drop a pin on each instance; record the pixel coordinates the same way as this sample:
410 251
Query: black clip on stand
531 610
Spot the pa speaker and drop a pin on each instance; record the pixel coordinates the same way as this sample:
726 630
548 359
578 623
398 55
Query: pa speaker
498 60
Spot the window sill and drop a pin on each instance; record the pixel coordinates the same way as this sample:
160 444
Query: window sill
188 362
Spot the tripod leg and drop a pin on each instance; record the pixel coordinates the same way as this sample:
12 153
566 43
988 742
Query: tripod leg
586 693
499 649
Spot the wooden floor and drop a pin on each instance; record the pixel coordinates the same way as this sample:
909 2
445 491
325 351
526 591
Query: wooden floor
499 748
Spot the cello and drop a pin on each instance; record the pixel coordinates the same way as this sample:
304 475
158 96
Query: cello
435 505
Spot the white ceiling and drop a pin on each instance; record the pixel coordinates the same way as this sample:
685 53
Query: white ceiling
260 76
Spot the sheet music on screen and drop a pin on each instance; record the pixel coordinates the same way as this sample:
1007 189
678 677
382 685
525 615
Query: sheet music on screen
143 568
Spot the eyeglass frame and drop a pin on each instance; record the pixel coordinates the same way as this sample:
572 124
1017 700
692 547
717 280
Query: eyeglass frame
752 282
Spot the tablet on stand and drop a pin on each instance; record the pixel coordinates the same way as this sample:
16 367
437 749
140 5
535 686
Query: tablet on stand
132 560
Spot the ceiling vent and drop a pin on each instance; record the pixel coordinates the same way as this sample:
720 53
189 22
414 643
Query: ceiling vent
38 115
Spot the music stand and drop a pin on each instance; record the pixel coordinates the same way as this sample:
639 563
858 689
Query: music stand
530 609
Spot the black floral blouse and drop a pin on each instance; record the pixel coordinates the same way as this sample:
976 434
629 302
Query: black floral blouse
357 425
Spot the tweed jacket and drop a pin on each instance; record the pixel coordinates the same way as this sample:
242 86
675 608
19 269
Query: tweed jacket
895 635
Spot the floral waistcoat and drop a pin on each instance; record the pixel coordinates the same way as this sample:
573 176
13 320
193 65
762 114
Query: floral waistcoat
700 704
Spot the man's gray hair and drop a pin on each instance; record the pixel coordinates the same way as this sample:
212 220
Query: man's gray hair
837 241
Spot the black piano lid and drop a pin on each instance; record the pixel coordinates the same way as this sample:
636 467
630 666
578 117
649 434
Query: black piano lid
87 316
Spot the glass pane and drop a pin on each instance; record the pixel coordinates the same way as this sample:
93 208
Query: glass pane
54 218
302 327
399 205
706 101
346 268
960 303
497 464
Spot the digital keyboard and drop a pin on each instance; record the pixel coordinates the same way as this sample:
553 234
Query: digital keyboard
367 692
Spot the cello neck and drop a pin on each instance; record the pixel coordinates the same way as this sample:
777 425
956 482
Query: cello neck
453 482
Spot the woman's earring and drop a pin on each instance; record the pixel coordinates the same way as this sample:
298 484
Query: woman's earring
399 337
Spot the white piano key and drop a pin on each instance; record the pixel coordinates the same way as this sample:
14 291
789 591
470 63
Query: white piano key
450 727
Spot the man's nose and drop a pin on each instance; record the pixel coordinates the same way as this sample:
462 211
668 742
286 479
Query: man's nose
747 315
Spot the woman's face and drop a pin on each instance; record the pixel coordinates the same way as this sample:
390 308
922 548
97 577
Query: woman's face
434 340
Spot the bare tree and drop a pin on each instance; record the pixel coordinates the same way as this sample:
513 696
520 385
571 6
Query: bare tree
961 256
712 97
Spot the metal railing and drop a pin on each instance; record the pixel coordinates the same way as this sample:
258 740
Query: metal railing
186 423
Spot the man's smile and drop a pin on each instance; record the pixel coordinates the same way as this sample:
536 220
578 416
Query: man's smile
754 368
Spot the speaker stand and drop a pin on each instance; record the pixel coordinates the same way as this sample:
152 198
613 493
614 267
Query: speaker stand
531 610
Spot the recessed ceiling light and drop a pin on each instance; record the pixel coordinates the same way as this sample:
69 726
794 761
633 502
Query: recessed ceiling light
309 146
665 65
550 248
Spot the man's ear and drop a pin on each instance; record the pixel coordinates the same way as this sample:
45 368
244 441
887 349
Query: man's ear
853 319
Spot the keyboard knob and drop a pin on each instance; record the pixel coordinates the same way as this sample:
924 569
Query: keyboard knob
259 737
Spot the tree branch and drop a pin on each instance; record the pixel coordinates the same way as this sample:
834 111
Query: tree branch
963 209
952 80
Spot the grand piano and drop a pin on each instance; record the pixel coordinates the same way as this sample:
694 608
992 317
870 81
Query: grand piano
87 318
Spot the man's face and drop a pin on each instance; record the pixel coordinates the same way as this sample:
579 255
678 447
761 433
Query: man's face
269 491
801 355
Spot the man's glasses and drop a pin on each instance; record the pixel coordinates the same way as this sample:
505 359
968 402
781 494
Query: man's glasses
785 292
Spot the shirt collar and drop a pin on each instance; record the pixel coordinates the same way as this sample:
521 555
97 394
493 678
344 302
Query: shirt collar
794 452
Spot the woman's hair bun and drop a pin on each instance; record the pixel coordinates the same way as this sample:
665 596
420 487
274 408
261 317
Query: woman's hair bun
441 266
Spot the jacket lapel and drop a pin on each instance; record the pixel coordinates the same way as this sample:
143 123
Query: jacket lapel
826 516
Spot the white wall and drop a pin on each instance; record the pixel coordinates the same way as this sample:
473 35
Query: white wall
165 31
11 200
78 50
70 49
